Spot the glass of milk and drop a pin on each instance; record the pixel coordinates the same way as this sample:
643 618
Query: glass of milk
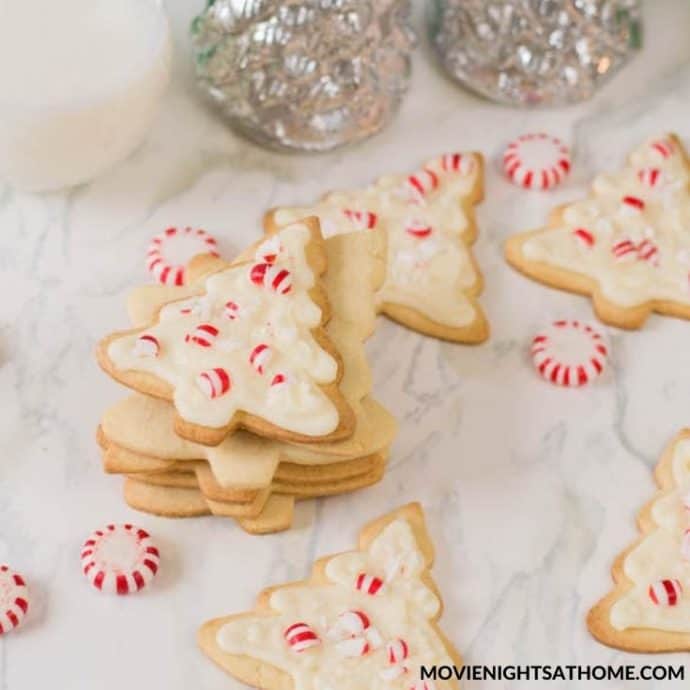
80 82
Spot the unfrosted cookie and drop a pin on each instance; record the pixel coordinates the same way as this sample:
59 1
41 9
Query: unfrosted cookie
649 608
626 245
276 515
432 279
249 351
137 436
181 495
364 619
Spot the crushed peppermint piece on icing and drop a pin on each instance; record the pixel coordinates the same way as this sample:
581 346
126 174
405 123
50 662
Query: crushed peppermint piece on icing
418 229
585 237
269 250
214 382
147 345
260 356
665 592
368 584
204 335
361 220
301 637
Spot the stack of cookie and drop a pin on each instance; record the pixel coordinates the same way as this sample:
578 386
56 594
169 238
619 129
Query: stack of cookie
252 387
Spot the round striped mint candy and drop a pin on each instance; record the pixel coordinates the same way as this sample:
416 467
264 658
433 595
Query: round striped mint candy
170 251
14 599
569 353
120 559
537 161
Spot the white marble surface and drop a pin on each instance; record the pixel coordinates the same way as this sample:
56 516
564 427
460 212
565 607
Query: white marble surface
530 490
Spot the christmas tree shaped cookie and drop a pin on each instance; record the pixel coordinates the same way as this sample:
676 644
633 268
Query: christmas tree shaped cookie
364 619
649 608
432 278
627 245
248 350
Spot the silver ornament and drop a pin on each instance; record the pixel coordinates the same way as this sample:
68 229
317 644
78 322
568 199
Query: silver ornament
304 74
535 52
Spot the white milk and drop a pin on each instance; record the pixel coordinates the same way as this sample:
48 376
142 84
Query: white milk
80 81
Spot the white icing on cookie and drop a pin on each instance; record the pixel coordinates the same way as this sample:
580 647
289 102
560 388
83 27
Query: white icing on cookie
637 225
401 610
429 264
660 556
208 351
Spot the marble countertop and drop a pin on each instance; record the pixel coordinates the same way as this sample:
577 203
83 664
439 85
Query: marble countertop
530 491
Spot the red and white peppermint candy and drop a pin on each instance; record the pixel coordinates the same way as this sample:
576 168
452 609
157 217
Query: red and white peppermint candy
120 559
632 204
273 277
457 162
665 592
569 353
350 624
664 147
301 637
353 647
369 584
361 220
231 310
397 651
536 161
170 251
624 249
14 599
214 382
648 251
260 356
650 177
279 380
204 335
418 229
147 345
685 545
422 182
585 237
268 250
